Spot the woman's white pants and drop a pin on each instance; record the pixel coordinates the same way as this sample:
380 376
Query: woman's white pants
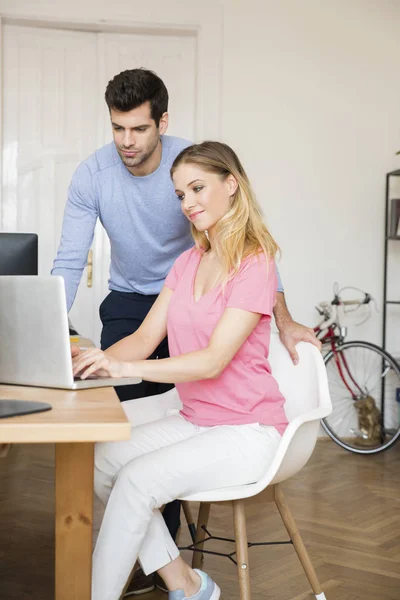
166 457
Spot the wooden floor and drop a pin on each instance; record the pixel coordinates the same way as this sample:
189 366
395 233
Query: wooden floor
347 508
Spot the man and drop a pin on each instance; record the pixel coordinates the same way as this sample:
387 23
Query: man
127 185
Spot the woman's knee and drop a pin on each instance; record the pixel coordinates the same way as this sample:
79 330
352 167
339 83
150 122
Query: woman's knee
141 482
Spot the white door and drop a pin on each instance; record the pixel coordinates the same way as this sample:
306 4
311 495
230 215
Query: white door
49 127
55 116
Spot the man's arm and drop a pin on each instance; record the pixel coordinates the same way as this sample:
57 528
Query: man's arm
77 232
290 331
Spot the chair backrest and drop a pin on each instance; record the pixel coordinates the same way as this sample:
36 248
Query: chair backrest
299 384
306 391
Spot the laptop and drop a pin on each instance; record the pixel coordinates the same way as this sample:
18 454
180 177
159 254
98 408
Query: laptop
34 336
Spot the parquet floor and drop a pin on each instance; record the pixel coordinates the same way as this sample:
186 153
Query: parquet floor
346 506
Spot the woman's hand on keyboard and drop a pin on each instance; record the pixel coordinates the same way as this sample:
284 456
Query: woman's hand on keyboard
96 362
75 350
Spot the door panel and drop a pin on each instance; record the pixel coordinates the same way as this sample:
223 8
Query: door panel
50 126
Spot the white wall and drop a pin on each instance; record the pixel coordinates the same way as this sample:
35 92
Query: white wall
311 103
311 100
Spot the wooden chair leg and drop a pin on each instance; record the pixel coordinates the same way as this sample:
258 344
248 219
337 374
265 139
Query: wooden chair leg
189 519
239 523
298 543
204 512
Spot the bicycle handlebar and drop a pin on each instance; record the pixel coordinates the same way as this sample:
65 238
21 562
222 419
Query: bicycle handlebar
366 300
330 309
337 301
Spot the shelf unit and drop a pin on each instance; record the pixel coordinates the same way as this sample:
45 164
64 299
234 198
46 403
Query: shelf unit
388 239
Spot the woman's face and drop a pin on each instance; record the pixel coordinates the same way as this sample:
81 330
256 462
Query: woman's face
205 197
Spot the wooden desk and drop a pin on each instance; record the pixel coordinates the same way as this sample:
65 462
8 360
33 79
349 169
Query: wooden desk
78 420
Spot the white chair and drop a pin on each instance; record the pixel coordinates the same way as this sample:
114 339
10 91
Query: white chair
305 388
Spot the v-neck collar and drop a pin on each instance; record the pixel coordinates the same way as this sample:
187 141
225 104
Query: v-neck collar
192 287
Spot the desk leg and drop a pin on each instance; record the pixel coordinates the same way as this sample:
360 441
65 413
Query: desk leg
74 519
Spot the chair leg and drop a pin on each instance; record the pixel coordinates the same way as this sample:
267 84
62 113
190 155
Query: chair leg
298 544
204 513
189 519
239 523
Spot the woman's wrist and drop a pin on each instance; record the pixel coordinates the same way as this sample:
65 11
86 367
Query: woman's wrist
130 369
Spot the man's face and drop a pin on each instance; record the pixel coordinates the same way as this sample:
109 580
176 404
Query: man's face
136 134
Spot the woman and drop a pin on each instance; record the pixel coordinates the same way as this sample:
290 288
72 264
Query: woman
216 306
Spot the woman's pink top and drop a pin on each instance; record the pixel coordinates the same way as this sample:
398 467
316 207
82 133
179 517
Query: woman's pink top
245 392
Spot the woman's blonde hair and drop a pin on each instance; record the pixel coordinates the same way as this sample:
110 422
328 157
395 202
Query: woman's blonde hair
241 232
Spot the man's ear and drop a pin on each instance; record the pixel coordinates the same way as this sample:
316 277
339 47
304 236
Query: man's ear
163 126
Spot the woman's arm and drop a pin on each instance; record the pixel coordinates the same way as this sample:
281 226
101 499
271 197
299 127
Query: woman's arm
232 330
150 334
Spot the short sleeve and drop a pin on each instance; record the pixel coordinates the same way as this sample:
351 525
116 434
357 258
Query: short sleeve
254 287
177 269
280 284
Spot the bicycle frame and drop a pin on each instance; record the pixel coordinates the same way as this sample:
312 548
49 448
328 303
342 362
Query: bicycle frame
327 335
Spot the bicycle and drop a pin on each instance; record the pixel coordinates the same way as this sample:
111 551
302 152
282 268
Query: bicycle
364 383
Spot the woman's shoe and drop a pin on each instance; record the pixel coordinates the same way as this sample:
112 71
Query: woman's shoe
208 590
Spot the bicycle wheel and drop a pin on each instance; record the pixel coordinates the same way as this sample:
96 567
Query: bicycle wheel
363 381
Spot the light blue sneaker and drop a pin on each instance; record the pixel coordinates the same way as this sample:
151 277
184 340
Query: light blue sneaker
208 590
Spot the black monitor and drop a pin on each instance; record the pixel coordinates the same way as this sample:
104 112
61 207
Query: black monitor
18 253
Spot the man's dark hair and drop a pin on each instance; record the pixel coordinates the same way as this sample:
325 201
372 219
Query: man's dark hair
130 89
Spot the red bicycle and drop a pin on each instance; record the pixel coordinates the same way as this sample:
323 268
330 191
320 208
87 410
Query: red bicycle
364 383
